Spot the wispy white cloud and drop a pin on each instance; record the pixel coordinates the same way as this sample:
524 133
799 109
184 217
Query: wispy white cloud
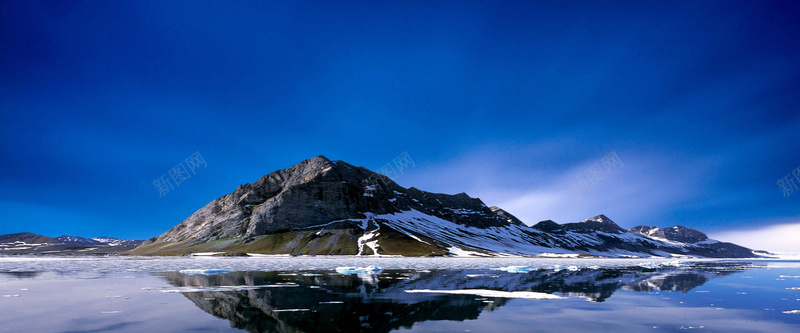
780 237
530 185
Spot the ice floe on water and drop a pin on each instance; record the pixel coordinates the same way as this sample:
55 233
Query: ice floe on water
359 270
792 312
517 269
490 293
204 271
655 265
205 254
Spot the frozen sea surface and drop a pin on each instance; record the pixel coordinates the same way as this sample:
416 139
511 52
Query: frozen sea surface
309 294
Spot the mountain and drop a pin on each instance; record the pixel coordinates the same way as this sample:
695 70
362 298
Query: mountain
675 234
29 243
77 240
321 207
693 241
25 239
97 241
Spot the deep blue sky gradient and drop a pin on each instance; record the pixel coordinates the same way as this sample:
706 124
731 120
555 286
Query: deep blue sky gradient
507 101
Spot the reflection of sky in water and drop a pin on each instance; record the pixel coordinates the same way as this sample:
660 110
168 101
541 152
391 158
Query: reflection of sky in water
150 295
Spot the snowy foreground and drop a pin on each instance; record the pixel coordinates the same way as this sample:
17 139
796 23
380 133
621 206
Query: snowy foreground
385 294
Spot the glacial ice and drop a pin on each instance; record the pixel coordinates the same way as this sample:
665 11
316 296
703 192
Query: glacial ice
491 293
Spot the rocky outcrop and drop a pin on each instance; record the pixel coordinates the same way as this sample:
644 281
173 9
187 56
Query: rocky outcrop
506 215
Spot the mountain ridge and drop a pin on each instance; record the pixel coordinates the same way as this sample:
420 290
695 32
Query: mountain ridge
30 243
319 206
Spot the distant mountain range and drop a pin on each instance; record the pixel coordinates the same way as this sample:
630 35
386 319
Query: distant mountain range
97 241
28 243
324 207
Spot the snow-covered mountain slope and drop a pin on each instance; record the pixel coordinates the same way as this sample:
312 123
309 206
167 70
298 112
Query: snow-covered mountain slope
588 238
96 241
78 240
112 241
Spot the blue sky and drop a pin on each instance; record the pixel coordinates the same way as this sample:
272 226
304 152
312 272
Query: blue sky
511 102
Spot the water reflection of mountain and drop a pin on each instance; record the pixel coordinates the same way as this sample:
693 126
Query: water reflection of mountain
329 302
21 275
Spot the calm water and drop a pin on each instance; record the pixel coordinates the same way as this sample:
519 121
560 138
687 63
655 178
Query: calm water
280 294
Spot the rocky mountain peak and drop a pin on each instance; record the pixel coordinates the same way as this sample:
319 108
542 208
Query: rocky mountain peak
548 226
676 234
317 191
599 219
594 224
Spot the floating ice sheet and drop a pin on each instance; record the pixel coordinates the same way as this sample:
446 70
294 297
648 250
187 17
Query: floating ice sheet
359 270
204 271
516 269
